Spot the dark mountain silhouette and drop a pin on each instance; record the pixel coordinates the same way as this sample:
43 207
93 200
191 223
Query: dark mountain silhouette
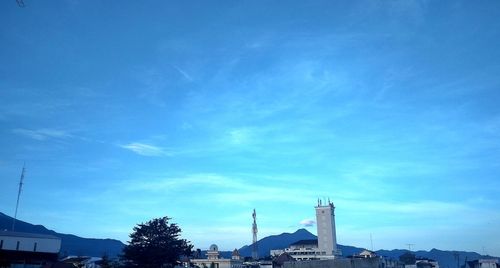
284 240
276 242
70 244
270 242
445 258
74 245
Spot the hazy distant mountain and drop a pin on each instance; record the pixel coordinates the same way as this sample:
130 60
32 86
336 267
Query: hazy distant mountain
74 245
70 244
276 242
284 240
446 259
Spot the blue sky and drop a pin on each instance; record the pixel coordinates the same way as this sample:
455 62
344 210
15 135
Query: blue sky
128 110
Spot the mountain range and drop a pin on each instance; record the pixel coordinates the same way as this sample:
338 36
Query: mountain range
70 244
285 239
446 259
75 245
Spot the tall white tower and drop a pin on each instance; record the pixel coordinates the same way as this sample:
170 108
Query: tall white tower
327 237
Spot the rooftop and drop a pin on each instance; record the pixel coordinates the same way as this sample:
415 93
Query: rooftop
30 235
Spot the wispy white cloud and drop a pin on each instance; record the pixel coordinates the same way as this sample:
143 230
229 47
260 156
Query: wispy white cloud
240 136
146 149
43 133
183 73
307 222
169 183
224 188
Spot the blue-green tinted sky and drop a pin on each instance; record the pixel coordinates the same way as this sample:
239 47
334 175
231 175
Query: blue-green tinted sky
203 110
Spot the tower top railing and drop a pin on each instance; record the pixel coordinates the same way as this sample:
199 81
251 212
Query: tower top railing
325 203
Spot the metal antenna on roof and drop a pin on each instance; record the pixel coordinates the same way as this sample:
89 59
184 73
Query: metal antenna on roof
18 196
255 249
371 240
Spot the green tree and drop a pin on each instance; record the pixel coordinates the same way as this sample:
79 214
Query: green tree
156 244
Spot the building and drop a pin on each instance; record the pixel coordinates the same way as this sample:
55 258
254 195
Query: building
386 262
301 250
426 263
366 254
213 252
335 263
325 222
214 260
483 263
364 259
383 262
325 247
18 249
409 260
280 260
235 255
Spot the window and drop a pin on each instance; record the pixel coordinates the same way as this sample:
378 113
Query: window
34 247
1 244
17 246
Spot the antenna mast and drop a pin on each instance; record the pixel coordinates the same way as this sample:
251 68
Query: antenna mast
255 254
18 196
371 241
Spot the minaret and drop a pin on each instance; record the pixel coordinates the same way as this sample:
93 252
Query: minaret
325 219
255 254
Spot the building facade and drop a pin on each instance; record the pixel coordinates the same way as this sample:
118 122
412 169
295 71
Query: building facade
301 250
325 247
213 260
325 222
483 263
35 250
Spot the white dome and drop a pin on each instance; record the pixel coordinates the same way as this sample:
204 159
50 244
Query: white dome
214 247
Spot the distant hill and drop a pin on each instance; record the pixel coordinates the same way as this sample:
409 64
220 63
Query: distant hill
70 244
74 245
276 242
445 258
284 240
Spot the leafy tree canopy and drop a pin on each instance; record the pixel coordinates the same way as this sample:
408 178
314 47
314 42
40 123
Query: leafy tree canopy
156 243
